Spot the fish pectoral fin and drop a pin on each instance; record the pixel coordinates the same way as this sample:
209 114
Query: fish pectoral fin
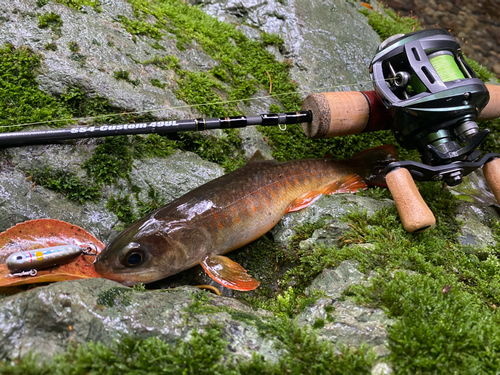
303 201
228 273
348 184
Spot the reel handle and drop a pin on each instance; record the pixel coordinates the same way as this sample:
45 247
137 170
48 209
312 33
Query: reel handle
491 172
342 113
415 215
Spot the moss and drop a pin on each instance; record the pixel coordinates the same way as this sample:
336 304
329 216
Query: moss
78 4
65 183
205 353
139 287
140 27
50 47
387 23
154 203
114 296
125 76
157 83
152 145
111 160
225 150
275 108
20 99
271 39
122 208
51 20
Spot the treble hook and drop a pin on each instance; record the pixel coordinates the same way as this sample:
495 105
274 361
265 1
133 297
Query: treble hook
88 251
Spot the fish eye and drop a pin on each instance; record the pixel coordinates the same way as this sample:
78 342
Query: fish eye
132 255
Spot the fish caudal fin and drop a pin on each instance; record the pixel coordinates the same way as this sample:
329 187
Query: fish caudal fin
228 273
373 161
348 184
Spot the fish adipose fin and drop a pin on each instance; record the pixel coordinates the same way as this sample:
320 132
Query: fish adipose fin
228 273
348 184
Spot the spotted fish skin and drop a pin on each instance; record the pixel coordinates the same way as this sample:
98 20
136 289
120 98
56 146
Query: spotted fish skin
229 212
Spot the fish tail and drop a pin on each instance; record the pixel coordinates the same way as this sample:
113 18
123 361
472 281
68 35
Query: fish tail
372 162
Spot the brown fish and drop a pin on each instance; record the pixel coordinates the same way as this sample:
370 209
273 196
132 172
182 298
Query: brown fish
229 212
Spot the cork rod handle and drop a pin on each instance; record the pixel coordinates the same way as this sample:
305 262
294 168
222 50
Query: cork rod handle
492 109
491 172
413 211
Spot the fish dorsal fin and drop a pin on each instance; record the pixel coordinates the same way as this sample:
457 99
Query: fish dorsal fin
228 273
257 156
348 184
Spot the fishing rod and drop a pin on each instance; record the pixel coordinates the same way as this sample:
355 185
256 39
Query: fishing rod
25 138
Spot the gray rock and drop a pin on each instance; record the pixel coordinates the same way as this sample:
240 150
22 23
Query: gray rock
330 208
333 282
329 43
344 321
475 229
102 310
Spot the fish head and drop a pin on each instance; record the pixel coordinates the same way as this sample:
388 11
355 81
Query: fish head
144 252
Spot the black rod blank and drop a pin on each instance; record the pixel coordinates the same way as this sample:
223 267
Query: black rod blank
26 138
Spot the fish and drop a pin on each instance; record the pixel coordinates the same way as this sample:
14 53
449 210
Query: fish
230 212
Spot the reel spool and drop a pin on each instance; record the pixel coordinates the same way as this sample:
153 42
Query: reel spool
434 98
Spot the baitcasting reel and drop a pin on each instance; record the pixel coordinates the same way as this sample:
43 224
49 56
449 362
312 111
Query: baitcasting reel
431 98
434 98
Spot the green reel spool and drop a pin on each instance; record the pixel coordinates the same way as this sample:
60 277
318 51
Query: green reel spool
446 67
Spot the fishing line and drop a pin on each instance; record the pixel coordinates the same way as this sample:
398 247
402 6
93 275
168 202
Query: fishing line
186 106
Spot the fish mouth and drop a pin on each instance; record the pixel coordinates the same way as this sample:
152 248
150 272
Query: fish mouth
125 276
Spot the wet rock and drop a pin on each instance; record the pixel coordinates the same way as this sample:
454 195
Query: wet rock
101 310
329 44
333 282
330 208
340 318
476 221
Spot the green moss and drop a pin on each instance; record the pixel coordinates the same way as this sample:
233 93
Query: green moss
140 27
114 296
51 20
65 183
271 39
157 83
154 203
73 46
225 150
275 108
122 208
20 99
243 63
125 76
111 160
77 4
388 23
50 47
